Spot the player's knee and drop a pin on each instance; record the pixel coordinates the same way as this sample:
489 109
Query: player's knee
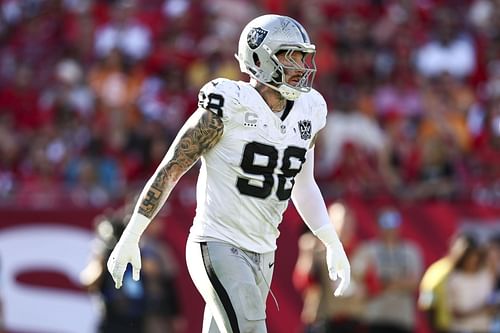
252 308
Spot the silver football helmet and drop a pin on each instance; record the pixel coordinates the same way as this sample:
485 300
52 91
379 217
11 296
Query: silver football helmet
259 43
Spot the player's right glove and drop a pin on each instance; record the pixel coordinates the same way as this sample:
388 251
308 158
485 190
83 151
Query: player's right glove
127 250
336 258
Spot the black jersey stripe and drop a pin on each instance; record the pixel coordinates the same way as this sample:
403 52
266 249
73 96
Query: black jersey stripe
219 288
288 107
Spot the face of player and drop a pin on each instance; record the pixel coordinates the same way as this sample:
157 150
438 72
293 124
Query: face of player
294 64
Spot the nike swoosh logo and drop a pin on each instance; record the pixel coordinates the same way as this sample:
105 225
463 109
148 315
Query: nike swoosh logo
271 264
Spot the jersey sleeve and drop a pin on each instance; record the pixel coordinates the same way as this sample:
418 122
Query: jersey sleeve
221 97
321 110
318 110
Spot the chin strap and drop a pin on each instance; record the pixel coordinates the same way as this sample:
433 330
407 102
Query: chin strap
287 92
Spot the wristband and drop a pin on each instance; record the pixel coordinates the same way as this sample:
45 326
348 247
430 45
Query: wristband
135 227
327 235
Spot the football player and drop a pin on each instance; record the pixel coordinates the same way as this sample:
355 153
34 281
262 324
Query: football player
256 144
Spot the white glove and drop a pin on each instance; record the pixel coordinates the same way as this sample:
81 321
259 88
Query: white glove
336 259
127 251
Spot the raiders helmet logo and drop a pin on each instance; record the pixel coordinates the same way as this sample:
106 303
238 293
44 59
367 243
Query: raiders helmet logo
305 129
255 37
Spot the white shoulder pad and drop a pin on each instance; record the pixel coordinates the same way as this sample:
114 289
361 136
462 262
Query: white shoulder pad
220 96
318 107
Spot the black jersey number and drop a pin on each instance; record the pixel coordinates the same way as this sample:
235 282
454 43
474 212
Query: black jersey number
249 166
213 102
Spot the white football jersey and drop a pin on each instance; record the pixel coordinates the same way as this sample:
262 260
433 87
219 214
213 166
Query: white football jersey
245 181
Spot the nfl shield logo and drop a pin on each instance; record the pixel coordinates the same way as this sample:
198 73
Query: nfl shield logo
305 129
255 37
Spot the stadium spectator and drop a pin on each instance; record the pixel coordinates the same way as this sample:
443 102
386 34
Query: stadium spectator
121 310
9 157
398 160
69 96
228 17
39 172
444 124
116 88
469 288
165 98
494 257
148 306
349 146
391 267
321 312
2 318
398 96
160 270
494 262
21 100
124 32
80 24
447 102
449 49
484 162
241 131
432 297
436 172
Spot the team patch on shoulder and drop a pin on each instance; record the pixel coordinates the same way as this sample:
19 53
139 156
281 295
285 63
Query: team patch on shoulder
305 129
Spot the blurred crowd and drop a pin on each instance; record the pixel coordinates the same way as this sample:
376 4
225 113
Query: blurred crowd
458 293
92 93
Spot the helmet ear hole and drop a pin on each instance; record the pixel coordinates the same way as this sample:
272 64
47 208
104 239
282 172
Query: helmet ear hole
256 60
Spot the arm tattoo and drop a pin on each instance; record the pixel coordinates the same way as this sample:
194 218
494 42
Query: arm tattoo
190 144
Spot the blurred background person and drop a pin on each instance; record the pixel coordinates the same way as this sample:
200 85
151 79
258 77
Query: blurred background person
321 312
449 49
121 311
494 262
2 318
469 288
163 308
432 298
390 267
150 305
124 32
349 147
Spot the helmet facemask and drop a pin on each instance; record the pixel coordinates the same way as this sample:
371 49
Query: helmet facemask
306 70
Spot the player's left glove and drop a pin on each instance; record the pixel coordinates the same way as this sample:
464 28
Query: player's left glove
336 258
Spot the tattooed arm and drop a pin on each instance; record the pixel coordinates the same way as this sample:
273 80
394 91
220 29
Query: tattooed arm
199 134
